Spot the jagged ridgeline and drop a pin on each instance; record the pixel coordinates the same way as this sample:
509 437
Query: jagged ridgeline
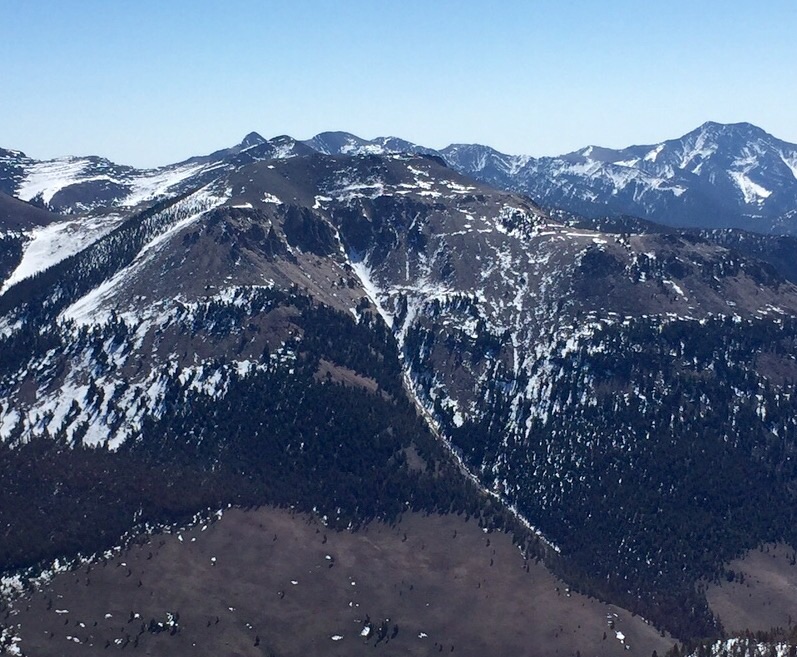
266 331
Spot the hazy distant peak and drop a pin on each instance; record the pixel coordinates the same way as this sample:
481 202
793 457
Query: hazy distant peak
341 143
345 143
742 130
594 153
282 139
252 139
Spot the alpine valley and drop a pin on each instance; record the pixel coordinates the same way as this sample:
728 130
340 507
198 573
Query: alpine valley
322 397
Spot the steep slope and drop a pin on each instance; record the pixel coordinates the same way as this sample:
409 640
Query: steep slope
622 393
572 370
207 303
213 246
18 222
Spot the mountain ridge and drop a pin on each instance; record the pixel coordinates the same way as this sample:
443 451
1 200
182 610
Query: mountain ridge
614 392
596 180
715 176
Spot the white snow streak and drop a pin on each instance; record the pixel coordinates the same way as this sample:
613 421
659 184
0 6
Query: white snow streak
752 192
152 184
86 310
48 178
51 244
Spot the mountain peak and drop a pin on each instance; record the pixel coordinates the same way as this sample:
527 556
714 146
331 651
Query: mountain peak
252 139
337 143
741 129
338 134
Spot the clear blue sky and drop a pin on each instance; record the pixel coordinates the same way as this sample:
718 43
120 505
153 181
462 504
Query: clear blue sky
147 83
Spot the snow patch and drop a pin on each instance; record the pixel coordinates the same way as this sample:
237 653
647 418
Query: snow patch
677 288
791 162
52 244
374 293
48 178
153 184
652 155
87 310
752 192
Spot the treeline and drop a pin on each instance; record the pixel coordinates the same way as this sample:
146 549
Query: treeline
10 253
277 436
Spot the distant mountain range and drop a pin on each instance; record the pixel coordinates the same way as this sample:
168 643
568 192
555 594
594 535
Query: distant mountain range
716 176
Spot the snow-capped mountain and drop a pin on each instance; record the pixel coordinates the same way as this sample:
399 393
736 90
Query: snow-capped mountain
345 143
92 185
609 387
717 176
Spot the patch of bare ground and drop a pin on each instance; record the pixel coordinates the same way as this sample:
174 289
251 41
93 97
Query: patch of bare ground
328 371
777 369
269 582
763 593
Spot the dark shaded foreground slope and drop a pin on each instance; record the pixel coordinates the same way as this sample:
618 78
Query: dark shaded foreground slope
274 582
